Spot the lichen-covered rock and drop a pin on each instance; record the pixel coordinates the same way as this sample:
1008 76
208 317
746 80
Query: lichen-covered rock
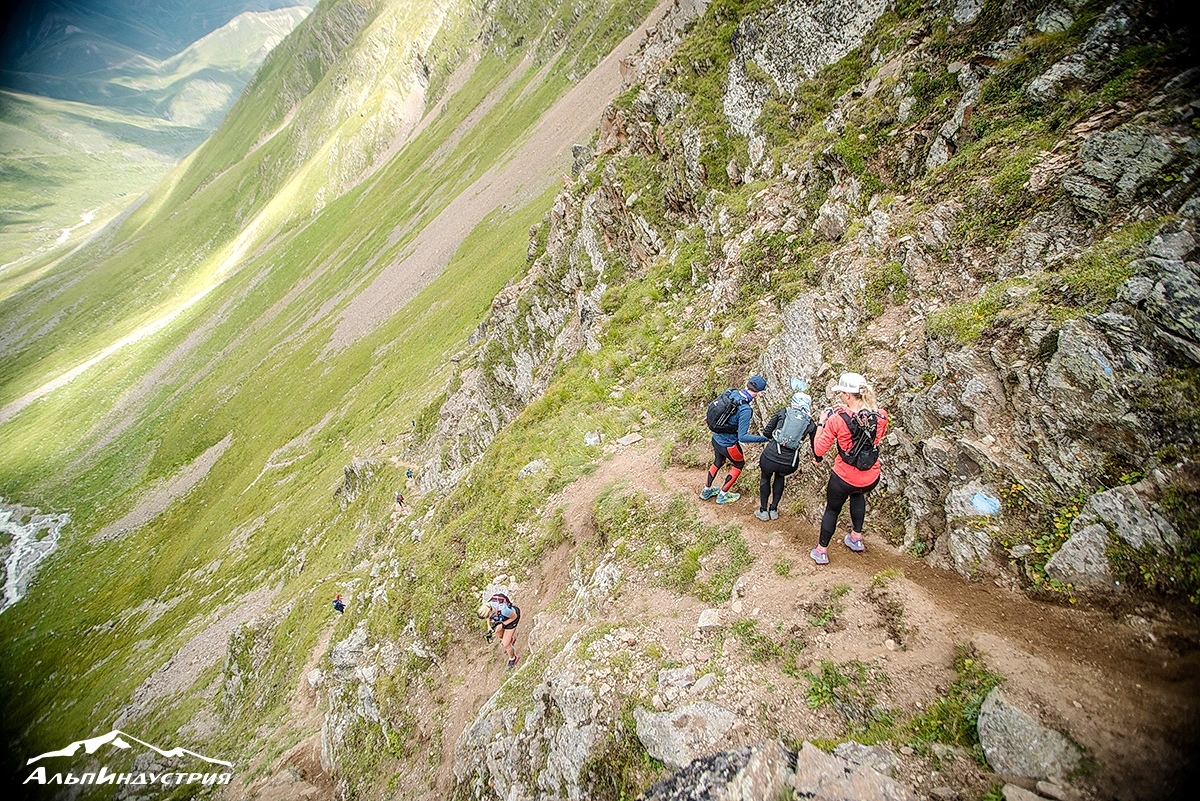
1017 745
677 737
791 42
1114 165
1120 513
1103 42
821 776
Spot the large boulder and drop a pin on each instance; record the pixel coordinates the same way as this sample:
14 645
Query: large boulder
1122 513
1017 745
770 771
677 737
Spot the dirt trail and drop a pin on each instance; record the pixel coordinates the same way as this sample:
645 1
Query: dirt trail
1131 702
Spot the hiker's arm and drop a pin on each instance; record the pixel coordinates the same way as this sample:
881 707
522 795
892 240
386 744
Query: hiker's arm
812 440
825 437
882 429
744 435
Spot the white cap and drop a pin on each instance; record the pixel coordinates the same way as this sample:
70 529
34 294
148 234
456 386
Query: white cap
801 401
852 383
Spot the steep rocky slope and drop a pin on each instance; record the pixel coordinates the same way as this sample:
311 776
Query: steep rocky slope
985 207
988 212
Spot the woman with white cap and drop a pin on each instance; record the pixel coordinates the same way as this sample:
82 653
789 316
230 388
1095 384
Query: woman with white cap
856 425
787 429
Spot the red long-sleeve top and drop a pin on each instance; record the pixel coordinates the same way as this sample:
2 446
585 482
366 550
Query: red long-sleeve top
835 430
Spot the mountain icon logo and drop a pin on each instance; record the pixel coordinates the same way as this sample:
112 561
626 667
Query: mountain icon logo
119 739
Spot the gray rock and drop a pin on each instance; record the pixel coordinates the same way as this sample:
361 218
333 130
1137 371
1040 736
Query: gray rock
966 11
1172 302
682 678
1017 745
765 772
1124 510
678 737
973 499
790 42
821 776
1102 42
1114 165
1082 561
1012 792
944 793
1052 790
703 684
710 620
536 466
744 774
1053 19
876 757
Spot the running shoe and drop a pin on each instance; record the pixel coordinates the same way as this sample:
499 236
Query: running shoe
820 557
774 514
761 515
708 493
856 545
727 497
512 663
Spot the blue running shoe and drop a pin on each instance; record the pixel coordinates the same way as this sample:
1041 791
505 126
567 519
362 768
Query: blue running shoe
728 497
708 493
820 557
856 545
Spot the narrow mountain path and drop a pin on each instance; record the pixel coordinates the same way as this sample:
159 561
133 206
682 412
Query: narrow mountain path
1131 701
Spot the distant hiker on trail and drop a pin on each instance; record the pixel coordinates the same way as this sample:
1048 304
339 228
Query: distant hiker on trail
409 473
787 428
399 499
728 417
856 425
338 606
503 614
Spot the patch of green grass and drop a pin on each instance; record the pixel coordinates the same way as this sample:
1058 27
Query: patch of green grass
688 556
964 321
1091 281
887 285
886 577
621 768
851 689
782 567
952 718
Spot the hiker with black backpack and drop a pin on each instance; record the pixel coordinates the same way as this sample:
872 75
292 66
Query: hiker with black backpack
728 417
856 426
502 614
787 429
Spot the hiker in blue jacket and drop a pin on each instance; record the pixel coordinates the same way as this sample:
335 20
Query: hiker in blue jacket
728 438
787 428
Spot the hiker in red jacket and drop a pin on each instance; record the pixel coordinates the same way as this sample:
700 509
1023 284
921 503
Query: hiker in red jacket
856 425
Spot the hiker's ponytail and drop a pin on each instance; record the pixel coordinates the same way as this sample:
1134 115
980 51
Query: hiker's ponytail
868 398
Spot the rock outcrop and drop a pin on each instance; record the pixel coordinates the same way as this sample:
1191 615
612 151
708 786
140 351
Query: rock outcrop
1017 745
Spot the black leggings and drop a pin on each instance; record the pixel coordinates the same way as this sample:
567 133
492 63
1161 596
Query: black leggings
836 494
770 486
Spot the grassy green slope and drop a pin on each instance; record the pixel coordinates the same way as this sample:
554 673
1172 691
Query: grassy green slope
242 363
59 159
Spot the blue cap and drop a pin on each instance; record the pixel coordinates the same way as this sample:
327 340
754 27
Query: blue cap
756 383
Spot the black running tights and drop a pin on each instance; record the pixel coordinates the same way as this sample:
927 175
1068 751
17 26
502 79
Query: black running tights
770 486
836 495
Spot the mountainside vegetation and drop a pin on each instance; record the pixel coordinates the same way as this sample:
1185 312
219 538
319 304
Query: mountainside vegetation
387 335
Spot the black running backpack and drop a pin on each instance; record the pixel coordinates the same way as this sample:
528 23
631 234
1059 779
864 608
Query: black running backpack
722 412
863 426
